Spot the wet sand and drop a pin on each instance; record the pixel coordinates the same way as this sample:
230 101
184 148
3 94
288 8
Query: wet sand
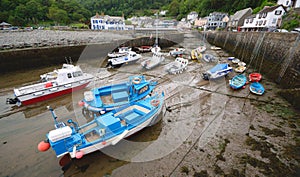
208 129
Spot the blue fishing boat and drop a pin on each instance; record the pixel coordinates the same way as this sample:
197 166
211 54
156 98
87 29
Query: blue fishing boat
217 71
105 130
102 99
238 81
257 88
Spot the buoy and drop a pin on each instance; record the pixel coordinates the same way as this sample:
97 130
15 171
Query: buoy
43 146
244 87
79 155
103 142
80 103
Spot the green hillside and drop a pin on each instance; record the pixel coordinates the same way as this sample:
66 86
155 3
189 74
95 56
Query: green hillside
38 12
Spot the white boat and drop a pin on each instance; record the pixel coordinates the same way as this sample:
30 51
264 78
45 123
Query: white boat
122 52
217 71
209 58
177 66
215 48
176 52
235 61
131 57
241 63
240 69
201 49
153 61
53 84
144 48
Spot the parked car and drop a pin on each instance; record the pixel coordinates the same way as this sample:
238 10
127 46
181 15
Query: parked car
281 30
296 30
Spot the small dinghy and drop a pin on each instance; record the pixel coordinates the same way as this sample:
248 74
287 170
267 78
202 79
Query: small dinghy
209 58
235 61
155 60
257 88
130 57
215 48
240 69
217 71
122 51
106 98
230 58
255 77
105 130
176 52
177 66
241 63
238 81
195 55
201 49
143 49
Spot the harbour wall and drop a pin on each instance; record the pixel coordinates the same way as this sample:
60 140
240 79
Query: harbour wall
275 55
32 58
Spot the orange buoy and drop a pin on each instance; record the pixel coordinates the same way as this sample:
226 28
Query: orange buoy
43 146
79 155
80 103
104 142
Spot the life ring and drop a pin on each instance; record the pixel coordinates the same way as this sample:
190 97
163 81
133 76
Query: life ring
155 102
136 80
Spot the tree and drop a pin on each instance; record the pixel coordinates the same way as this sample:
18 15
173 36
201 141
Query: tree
58 15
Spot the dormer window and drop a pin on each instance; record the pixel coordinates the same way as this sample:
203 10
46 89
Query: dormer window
278 12
264 15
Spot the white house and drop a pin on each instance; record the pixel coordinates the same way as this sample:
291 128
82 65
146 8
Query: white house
297 4
289 3
237 19
106 22
192 16
267 19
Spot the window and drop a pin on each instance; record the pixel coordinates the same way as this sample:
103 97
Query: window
264 15
69 75
278 12
77 73
287 3
274 20
265 22
251 20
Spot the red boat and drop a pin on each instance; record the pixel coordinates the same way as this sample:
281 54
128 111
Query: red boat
53 84
255 77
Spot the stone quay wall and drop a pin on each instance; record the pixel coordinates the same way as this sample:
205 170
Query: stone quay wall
40 56
275 55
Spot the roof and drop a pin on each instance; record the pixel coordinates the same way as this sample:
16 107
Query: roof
239 14
251 16
5 24
270 9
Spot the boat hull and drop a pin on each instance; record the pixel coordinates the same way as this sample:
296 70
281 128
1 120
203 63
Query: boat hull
51 95
238 81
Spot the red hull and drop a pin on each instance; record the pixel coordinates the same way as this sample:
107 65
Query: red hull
53 95
254 77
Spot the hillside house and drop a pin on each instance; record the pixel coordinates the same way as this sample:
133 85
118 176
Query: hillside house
237 19
268 19
106 22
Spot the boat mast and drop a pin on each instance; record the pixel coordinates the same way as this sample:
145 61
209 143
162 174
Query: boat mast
156 33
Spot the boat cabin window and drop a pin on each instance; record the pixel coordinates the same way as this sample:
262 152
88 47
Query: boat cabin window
77 74
142 90
69 75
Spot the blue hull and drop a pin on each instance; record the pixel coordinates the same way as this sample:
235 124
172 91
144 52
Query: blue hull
107 129
257 88
238 81
110 97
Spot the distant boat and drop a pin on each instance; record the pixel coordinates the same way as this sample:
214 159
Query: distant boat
241 63
195 55
176 52
53 84
130 57
217 71
103 131
122 51
177 66
209 58
230 58
109 97
238 81
255 77
235 61
155 60
240 69
143 49
257 88
201 49
215 48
